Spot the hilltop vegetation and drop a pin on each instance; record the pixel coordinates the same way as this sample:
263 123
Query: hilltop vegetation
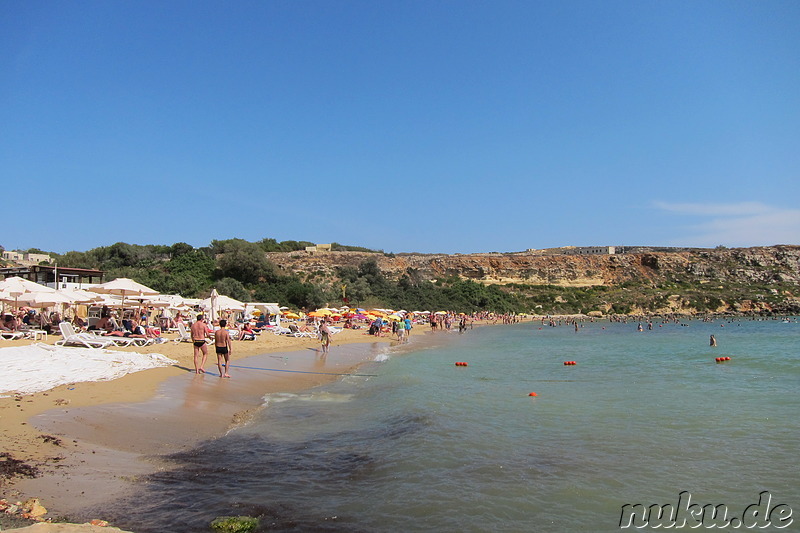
759 280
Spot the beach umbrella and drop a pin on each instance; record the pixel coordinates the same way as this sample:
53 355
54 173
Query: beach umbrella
291 315
14 287
44 299
213 303
123 287
219 302
395 318
80 296
149 301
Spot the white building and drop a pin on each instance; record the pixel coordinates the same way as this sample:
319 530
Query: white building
591 250
25 258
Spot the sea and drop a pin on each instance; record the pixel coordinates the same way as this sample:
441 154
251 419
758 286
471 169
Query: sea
414 442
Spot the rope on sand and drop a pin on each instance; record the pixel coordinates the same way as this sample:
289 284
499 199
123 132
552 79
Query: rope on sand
305 371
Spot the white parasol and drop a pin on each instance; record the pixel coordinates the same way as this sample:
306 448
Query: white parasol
219 302
124 287
13 289
43 299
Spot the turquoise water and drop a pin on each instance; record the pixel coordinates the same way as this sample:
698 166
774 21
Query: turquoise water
430 446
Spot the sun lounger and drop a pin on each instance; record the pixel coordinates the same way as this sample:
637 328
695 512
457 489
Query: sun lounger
294 331
70 338
11 335
185 336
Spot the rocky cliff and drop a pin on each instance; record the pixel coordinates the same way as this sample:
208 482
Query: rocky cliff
778 265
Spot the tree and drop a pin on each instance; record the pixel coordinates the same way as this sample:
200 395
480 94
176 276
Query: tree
233 288
180 248
242 260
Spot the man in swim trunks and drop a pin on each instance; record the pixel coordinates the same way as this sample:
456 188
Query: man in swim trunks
223 347
199 334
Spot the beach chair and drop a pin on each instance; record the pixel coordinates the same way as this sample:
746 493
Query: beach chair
11 335
185 336
280 330
120 340
183 333
70 338
294 331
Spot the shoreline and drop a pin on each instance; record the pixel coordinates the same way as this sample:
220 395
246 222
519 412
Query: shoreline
90 440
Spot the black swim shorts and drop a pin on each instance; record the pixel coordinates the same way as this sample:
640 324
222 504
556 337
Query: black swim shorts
222 350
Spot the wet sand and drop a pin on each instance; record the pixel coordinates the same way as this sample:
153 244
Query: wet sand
116 442
99 428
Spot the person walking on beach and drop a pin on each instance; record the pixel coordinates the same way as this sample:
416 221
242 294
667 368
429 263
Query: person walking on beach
407 326
199 334
325 337
223 347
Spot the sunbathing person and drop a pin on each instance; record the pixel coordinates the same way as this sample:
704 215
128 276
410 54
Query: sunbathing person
104 324
9 323
247 333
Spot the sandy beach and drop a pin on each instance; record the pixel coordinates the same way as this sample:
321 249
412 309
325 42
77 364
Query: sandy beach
88 439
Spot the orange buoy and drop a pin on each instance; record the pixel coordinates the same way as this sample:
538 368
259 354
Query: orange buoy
461 363
727 358
533 394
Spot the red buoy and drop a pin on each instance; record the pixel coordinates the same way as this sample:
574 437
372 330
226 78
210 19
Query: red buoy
533 394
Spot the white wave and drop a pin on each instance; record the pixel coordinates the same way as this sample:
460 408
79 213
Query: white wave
317 396
277 397
326 397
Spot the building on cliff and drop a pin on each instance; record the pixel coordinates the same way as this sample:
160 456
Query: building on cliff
25 258
577 250
592 250
318 248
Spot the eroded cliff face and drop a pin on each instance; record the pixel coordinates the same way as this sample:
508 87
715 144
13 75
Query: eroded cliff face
774 264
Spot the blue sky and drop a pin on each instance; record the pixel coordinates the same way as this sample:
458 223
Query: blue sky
407 126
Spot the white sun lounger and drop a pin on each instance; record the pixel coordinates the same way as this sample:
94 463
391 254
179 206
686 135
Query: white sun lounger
70 338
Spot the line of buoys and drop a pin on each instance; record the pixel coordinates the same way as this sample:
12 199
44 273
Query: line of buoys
532 394
722 359
569 363
461 363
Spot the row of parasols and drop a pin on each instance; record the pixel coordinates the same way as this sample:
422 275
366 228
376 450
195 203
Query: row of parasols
118 293
363 314
124 292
